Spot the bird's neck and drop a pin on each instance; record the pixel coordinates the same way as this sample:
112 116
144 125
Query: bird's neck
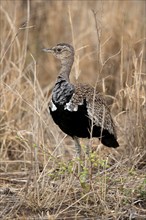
65 70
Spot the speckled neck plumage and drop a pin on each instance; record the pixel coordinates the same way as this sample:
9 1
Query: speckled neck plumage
66 65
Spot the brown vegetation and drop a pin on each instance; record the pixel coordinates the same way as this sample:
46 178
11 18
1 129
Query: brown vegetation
38 179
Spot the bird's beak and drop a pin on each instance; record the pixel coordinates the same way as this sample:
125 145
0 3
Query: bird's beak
47 50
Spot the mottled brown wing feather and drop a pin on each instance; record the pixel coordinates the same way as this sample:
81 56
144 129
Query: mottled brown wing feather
97 108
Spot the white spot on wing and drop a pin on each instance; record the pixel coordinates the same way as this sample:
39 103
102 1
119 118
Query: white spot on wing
70 107
75 108
53 106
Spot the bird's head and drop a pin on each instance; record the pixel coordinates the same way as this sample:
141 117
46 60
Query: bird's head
62 51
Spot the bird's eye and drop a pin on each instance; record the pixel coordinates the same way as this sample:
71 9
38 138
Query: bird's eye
58 49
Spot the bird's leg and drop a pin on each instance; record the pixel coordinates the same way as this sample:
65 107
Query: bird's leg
87 153
78 152
77 147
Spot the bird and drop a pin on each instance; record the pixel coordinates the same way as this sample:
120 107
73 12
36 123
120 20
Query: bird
78 109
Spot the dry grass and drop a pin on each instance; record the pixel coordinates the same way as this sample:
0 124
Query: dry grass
37 175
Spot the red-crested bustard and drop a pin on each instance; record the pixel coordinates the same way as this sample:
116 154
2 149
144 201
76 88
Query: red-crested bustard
78 110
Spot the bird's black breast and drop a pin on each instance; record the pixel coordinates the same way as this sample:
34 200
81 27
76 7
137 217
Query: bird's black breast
73 123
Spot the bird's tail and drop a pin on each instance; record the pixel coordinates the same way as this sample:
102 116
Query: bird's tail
109 141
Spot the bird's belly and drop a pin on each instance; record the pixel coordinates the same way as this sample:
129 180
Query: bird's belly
75 123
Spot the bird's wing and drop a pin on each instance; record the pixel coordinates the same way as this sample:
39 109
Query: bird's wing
97 109
99 113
